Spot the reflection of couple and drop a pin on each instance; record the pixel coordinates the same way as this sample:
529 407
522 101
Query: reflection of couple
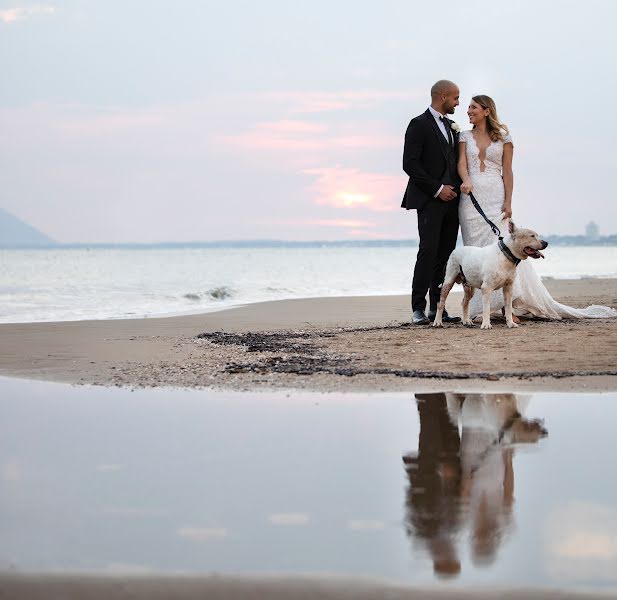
443 163
467 478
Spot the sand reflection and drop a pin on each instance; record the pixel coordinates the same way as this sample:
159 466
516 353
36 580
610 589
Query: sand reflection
461 480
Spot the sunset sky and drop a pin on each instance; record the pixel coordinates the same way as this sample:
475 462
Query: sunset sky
142 121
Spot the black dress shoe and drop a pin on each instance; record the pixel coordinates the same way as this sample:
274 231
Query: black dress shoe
445 318
419 318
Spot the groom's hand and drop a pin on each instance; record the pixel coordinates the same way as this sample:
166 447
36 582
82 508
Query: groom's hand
447 193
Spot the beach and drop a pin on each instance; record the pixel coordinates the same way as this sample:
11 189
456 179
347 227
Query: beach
54 587
360 343
141 425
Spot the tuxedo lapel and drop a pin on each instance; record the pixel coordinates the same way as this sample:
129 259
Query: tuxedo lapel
443 144
453 133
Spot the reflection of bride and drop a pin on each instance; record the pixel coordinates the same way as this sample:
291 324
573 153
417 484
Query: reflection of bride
490 425
485 167
468 479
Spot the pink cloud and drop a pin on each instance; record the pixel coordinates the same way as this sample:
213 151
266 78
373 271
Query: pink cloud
351 188
286 127
366 141
281 135
12 15
304 141
293 136
343 223
170 130
72 122
340 223
109 123
366 234
321 101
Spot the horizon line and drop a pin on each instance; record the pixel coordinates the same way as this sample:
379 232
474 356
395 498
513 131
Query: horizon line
610 239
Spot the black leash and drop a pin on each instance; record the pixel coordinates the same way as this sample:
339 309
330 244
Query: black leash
492 225
502 246
496 442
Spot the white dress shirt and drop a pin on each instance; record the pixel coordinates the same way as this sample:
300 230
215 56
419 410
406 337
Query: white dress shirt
442 127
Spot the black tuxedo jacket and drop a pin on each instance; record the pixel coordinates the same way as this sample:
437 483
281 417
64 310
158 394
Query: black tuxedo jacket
428 160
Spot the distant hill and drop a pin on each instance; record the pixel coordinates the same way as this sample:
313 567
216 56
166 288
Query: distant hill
15 233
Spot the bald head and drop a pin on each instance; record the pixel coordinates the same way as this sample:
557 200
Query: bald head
444 96
443 86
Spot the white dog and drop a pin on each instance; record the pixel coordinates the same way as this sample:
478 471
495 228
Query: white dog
490 268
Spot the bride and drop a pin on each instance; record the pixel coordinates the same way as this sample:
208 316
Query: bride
485 167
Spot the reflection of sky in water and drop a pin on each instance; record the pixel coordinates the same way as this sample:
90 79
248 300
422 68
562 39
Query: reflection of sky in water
170 480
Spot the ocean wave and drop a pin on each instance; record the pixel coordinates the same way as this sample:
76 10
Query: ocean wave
34 285
217 293
220 293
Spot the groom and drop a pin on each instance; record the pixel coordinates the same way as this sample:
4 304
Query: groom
430 159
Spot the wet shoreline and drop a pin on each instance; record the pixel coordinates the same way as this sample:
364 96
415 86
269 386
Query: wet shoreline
323 344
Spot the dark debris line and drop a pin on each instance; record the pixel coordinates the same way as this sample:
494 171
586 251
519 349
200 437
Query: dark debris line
304 357
263 342
307 359
279 364
297 365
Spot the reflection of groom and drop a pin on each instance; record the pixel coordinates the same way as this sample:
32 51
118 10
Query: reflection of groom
433 515
430 159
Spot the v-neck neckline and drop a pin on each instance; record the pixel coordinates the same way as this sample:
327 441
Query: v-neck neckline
482 160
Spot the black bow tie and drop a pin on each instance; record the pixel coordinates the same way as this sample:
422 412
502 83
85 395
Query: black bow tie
446 124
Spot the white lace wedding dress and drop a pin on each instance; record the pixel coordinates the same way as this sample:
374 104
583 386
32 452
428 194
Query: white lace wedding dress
530 297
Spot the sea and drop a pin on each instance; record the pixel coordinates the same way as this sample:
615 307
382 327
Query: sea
77 283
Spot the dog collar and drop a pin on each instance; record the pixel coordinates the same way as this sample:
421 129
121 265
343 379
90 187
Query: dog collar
508 253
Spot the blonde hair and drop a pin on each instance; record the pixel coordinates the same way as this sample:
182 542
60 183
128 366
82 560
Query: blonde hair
494 127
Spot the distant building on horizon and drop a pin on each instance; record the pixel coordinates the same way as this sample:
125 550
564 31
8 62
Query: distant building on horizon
592 231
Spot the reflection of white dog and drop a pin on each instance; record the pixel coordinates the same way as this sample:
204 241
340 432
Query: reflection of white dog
490 268
491 426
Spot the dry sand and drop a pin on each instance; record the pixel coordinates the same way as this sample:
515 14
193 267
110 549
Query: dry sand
67 587
325 344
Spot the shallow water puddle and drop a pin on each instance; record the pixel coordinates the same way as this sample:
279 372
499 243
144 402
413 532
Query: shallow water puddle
474 488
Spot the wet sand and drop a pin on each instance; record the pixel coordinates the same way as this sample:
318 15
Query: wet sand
325 344
67 587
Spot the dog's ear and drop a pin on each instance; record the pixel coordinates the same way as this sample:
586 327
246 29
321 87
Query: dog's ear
511 227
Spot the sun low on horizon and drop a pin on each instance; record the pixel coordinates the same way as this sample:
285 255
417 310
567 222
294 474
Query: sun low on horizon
149 123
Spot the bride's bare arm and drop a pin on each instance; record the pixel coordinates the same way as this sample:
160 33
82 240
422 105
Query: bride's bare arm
466 186
508 177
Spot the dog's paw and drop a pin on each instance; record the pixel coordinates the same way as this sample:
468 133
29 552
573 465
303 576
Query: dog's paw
512 324
468 323
436 324
486 326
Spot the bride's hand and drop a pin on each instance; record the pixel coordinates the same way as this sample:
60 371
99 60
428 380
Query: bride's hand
506 210
466 187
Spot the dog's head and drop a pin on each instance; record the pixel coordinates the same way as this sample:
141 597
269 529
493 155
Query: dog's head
526 242
527 431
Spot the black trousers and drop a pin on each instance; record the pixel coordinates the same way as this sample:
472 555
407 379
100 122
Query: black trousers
438 229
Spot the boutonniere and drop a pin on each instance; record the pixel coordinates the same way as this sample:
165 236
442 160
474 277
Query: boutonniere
455 127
